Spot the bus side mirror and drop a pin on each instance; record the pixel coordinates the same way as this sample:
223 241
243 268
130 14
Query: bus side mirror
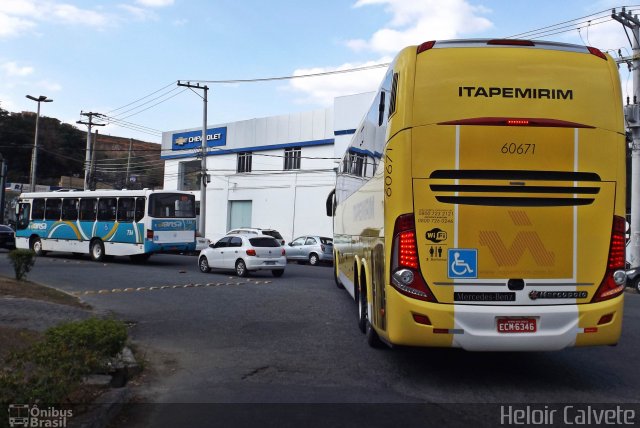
331 203
381 109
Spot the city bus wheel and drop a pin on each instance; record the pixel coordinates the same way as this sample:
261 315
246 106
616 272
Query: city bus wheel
36 247
313 259
241 268
203 264
97 251
362 306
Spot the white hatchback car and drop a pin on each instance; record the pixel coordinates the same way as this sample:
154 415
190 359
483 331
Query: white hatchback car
244 253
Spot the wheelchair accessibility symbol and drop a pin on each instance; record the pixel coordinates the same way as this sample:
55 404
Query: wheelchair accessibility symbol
463 263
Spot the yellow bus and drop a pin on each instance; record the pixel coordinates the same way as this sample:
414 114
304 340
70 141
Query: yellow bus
481 201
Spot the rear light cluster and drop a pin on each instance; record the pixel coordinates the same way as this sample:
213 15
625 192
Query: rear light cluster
615 277
405 265
252 252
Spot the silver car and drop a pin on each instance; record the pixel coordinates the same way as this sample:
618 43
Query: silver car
311 248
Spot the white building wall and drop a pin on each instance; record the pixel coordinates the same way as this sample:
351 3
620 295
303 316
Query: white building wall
292 202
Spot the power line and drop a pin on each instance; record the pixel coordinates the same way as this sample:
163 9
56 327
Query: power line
300 76
140 99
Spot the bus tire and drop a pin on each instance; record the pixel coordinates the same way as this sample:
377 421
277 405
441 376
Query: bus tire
36 246
361 299
335 272
241 268
96 250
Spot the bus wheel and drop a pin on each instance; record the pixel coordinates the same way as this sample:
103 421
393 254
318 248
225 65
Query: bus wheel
335 272
97 251
241 268
36 247
362 306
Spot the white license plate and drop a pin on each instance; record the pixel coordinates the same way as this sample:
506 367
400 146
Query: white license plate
517 325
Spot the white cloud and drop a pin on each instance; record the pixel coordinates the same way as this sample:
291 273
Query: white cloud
11 69
413 22
18 17
11 26
155 3
323 89
138 13
74 15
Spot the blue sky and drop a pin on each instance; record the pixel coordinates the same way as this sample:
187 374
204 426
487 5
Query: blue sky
101 55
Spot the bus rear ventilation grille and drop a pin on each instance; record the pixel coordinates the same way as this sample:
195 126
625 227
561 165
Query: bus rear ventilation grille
470 188
480 174
498 201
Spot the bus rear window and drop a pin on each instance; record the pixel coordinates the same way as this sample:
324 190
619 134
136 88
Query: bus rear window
172 205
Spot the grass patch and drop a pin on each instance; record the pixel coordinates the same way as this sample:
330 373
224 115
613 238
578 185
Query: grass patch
51 368
32 290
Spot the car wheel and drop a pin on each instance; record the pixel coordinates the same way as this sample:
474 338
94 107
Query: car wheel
636 284
277 272
313 259
97 251
241 268
36 247
203 264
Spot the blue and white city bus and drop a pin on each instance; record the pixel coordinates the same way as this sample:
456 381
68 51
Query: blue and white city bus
135 223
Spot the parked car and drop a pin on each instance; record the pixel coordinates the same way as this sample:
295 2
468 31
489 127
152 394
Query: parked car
258 231
244 254
633 278
310 248
7 237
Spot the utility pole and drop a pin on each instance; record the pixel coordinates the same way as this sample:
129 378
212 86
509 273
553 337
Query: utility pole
204 177
92 167
128 162
34 152
632 116
3 184
87 157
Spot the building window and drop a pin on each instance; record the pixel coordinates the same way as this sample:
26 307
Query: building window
189 175
292 158
244 162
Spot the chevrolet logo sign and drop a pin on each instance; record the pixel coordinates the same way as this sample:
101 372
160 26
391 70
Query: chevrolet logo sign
180 141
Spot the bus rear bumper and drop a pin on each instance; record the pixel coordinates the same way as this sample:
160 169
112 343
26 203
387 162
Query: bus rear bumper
475 327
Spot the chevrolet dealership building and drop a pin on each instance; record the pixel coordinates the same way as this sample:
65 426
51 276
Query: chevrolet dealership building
274 172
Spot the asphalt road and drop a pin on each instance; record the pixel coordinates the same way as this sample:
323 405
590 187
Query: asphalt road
216 338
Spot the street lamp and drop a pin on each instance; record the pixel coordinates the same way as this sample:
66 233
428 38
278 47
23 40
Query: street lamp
34 153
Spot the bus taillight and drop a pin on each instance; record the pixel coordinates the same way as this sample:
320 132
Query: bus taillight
405 264
615 277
